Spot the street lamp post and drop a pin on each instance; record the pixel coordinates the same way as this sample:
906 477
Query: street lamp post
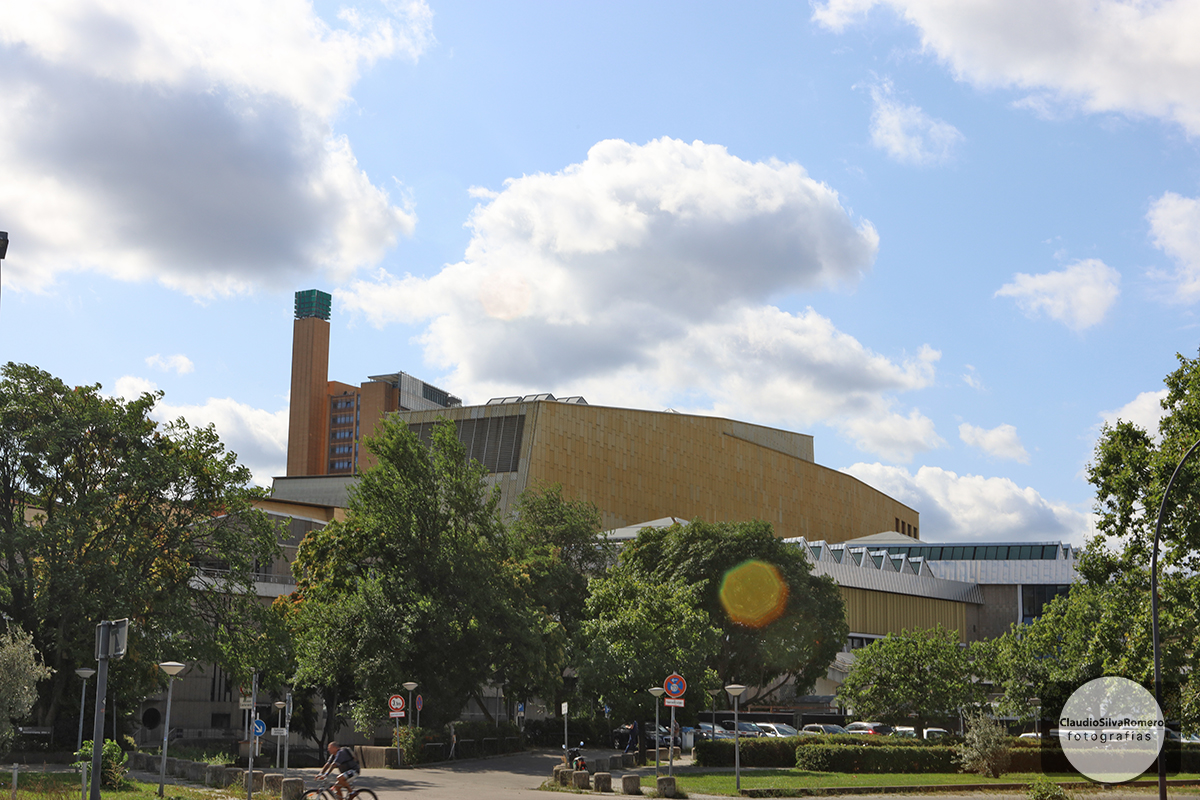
172 668
82 672
1158 683
410 685
713 716
735 691
658 692
279 704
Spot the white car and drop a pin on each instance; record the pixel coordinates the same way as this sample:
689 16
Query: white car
778 730
936 733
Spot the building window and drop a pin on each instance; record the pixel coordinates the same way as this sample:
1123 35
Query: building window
343 402
495 442
1035 597
343 434
341 464
343 419
342 449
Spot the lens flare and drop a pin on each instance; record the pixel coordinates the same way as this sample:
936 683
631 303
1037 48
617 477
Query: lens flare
754 594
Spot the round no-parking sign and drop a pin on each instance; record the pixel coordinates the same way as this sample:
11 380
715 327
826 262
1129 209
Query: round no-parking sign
675 685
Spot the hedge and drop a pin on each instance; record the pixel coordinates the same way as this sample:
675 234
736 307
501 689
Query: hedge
757 752
879 758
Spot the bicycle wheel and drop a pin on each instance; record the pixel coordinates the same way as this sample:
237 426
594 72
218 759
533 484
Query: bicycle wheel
363 794
314 794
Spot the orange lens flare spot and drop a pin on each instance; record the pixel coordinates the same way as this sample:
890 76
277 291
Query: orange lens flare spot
754 594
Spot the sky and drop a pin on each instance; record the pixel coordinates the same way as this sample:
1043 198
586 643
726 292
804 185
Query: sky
948 240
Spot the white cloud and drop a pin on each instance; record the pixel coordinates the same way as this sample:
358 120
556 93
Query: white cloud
178 362
258 437
1175 228
975 508
191 143
971 378
908 134
1079 296
653 268
1001 441
1145 411
1103 55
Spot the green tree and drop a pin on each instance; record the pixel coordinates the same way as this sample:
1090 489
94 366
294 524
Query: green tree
796 644
914 677
20 671
984 750
637 633
417 584
108 514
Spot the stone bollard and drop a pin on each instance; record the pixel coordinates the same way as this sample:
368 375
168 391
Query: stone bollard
273 783
232 777
631 784
213 774
137 761
196 772
181 768
615 762
564 776
629 760
292 789
171 765
666 786
603 781
581 779
257 778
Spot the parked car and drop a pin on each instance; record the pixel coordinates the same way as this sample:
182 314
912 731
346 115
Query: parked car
708 732
822 729
778 730
904 732
745 729
936 733
880 728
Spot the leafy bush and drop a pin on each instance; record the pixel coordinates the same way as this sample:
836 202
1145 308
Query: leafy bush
985 748
870 740
760 752
1044 789
593 732
112 763
878 758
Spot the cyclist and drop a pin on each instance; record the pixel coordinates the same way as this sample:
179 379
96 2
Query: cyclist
343 759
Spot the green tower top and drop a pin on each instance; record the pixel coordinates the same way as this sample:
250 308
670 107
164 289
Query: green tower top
313 303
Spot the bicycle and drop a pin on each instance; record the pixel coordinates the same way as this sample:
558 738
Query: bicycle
327 793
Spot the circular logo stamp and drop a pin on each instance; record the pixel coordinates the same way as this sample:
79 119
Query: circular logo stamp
1111 729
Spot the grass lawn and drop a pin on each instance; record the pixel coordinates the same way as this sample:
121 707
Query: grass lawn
724 782
66 786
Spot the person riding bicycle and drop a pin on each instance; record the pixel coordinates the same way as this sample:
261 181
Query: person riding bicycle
343 759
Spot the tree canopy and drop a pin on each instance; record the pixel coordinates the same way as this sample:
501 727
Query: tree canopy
913 677
108 514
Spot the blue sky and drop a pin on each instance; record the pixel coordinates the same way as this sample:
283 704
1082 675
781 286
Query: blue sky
950 241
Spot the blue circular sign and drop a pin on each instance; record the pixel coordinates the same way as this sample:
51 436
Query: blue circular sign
420 702
260 727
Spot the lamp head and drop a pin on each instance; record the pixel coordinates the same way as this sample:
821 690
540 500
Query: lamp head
280 704
657 691
172 668
409 685
85 673
3 244
735 689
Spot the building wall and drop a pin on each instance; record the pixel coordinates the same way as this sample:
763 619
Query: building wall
307 415
1000 609
639 465
880 613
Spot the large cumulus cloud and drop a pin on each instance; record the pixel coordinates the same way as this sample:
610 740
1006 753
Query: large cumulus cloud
191 143
652 275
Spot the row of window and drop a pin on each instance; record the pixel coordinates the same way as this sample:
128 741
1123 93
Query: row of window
345 433
343 402
343 419
905 528
991 552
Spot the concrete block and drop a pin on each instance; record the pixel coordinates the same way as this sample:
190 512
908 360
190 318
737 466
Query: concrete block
196 771
181 768
171 765
666 786
137 761
615 762
213 775
564 776
292 789
232 776
273 783
629 760
257 786
581 779
631 784
603 781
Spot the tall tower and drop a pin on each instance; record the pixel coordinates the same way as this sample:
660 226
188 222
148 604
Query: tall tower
308 415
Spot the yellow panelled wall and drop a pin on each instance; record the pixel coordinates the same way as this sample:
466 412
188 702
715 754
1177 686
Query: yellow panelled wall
881 613
637 466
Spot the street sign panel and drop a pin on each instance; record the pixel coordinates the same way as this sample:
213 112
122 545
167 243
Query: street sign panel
396 714
675 685
245 702
279 731
673 701
564 707
396 702
260 727
420 703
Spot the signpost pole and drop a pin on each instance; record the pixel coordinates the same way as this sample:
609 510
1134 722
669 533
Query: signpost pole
287 739
102 631
671 745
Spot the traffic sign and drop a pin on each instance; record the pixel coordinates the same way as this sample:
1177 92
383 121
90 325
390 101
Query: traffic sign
673 701
245 702
279 731
260 727
420 703
396 714
675 685
396 702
